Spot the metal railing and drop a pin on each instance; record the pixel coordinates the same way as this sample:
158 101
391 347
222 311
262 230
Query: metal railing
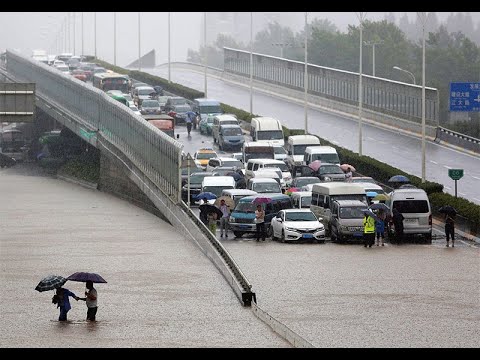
151 150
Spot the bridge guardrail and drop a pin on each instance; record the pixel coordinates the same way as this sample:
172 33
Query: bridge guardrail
455 138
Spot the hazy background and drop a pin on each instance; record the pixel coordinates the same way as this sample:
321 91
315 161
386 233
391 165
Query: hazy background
43 30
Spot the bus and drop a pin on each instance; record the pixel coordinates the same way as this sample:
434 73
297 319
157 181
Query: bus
111 81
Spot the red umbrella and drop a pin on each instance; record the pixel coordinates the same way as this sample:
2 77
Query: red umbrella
315 165
262 200
292 189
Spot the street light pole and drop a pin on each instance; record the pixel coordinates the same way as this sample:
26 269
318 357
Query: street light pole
251 64
115 38
74 35
305 80
139 52
169 78
423 18
95 32
205 42
372 44
408 72
361 17
83 53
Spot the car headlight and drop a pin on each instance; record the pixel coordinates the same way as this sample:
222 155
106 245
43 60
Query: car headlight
327 178
290 229
232 219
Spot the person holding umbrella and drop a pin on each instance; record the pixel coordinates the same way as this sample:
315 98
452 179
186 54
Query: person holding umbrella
260 222
63 302
450 213
91 300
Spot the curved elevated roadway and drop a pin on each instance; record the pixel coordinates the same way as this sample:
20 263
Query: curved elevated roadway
398 149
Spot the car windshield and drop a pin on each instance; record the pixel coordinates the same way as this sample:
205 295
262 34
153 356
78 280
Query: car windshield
267 188
326 158
232 132
245 207
232 163
206 155
150 103
282 166
146 91
270 135
300 149
279 150
330 169
209 109
178 101
300 216
197 178
351 212
162 99
302 182
182 108
210 120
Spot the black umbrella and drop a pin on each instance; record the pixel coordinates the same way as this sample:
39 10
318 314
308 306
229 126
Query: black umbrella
447 209
51 282
236 176
208 208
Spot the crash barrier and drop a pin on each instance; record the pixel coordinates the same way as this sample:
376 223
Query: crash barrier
184 221
385 101
282 330
455 138
92 112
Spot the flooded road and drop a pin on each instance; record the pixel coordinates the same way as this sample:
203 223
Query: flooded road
162 291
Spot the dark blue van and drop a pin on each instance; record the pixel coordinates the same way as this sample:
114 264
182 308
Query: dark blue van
242 217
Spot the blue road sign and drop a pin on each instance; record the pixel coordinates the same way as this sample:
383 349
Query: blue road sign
465 96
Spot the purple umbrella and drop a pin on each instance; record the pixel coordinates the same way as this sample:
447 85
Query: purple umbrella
315 165
86 276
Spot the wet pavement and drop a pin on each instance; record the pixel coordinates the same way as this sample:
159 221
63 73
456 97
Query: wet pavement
162 291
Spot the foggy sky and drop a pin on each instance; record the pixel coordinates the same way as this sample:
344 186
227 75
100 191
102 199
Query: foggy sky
42 31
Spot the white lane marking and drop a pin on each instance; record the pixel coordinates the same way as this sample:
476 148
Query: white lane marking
475 177
463 194
447 187
476 199
434 162
446 166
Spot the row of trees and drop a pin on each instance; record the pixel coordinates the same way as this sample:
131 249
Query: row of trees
450 56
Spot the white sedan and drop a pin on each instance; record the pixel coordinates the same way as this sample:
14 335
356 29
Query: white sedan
296 225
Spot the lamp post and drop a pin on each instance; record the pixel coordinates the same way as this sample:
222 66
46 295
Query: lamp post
372 44
206 50
115 38
169 78
423 19
74 47
305 80
251 64
408 72
95 33
361 17
82 36
139 52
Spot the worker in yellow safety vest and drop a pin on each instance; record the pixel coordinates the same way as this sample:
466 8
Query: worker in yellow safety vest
368 230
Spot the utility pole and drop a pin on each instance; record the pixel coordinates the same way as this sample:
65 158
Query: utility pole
169 73
372 44
305 80
95 33
115 38
206 50
361 17
139 52
251 64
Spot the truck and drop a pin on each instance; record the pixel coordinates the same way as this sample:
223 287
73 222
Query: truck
163 122
267 129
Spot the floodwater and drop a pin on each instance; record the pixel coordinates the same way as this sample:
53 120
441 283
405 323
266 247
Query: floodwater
162 291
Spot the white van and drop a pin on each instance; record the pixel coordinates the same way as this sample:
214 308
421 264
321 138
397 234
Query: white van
254 165
414 205
323 194
267 129
216 184
296 145
224 119
326 154
371 187
237 194
301 199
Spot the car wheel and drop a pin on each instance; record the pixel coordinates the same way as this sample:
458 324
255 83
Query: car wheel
333 237
282 239
237 234
270 232
428 238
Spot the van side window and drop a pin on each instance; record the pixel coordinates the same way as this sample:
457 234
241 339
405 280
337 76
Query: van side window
326 204
255 167
315 199
249 166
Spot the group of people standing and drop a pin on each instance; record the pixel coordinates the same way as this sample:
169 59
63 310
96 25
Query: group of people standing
376 225
61 298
